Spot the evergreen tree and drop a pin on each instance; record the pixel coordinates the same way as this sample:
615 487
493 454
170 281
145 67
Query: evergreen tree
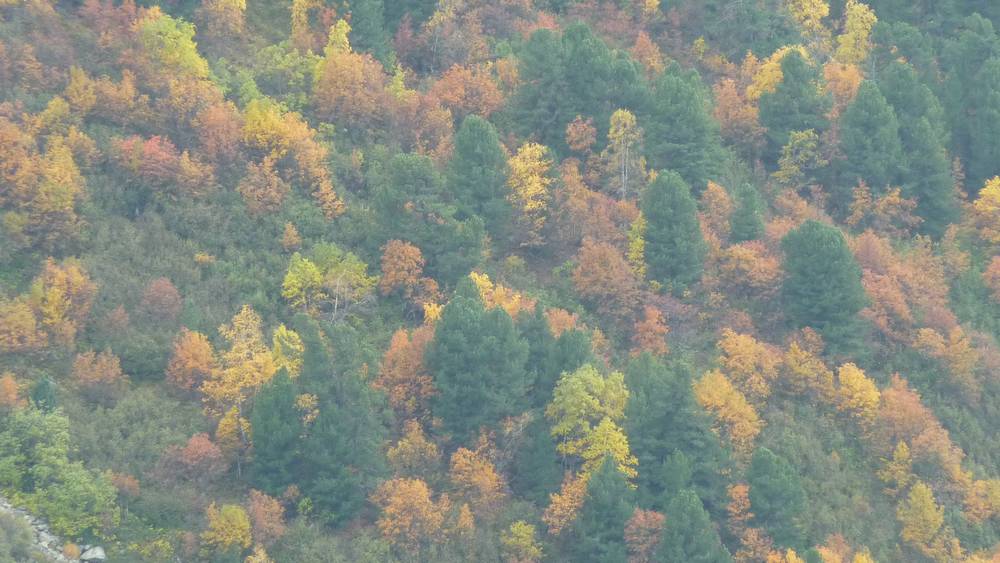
477 175
689 534
43 394
675 248
662 420
797 104
536 471
598 533
927 170
478 362
342 460
747 220
869 140
575 73
777 498
984 125
276 429
368 32
822 288
682 135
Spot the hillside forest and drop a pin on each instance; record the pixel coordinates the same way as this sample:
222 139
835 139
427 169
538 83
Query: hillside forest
507 281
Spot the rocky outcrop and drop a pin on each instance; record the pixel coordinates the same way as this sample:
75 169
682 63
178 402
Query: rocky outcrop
48 543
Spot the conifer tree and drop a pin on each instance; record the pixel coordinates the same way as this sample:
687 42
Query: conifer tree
675 248
689 534
777 498
822 288
796 104
747 220
478 362
276 426
869 140
477 175
598 533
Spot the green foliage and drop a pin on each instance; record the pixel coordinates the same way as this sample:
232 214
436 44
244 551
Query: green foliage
797 104
777 498
822 287
368 32
681 133
747 221
689 534
478 362
869 140
276 427
171 42
477 175
675 248
598 533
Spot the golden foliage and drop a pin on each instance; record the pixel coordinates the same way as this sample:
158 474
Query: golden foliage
564 505
734 415
228 527
529 182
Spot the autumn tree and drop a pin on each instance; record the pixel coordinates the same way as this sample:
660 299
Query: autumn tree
675 249
62 295
19 330
920 516
262 188
228 527
244 367
733 413
414 455
476 479
403 375
822 288
468 91
623 154
854 43
857 394
410 518
751 365
565 504
520 544
222 17
649 333
161 300
986 211
402 268
603 277
99 376
348 86
192 360
643 533
267 517
529 181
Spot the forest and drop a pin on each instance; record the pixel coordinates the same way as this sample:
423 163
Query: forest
513 281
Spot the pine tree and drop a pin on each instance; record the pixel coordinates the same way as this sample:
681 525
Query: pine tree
747 220
682 134
689 534
777 498
662 419
675 248
276 427
368 32
822 288
598 533
797 104
477 175
984 125
926 176
869 140
478 362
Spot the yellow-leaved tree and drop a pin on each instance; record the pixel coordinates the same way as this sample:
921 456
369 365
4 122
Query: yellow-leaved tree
854 43
857 395
529 181
734 415
228 527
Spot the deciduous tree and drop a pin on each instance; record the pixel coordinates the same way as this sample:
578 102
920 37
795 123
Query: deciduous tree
228 527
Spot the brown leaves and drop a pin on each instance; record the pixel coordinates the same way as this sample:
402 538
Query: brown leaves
467 90
267 517
403 376
192 360
161 300
603 277
410 518
99 376
642 535
649 333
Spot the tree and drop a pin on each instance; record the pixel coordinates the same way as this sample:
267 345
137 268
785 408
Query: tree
853 45
244 367
287 350
410 518
649 333
624 153
689 534
348 86
368 31
985 101
161 300
276 427
414 455
519 543
751 365
777 497
675 249
263 190
62 294
857 394
267 517
477 175
192 360
528 181
598 532
223 17
477 360
19 330
920 516
822 288
477 481
604 278
663 419
99 376
682 134
643 533
733 413
869 140
986 211
402 268
796 104
228 527
170 42
747 220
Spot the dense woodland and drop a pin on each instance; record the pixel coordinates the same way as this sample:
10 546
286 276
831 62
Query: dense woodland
502 280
